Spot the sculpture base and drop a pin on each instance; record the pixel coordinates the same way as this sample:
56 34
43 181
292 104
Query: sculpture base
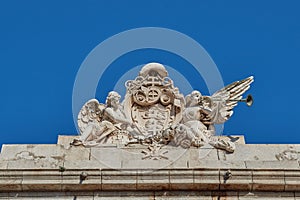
62 171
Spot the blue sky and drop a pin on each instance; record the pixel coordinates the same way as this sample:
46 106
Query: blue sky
43 43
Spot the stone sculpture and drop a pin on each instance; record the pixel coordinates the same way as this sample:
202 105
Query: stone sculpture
155 112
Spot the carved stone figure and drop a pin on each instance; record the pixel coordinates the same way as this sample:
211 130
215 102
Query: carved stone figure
97 121
154 111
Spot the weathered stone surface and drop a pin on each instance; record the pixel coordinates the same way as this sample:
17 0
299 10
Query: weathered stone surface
77 153
206 179
41 181
146 164
264 180
119 180
135 159
66 140
33 164
3 162
292 180
182 195
153 180
61 171
81 180
181 179
225 196
297 195
272 164
203 153
109 157
253 152
217 164
10 180
234 179
266 195
49 196
84 165
124 195
41 156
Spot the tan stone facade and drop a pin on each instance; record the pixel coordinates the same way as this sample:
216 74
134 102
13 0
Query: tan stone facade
62 171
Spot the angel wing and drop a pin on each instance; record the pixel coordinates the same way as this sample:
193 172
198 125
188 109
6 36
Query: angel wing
91 112
224 100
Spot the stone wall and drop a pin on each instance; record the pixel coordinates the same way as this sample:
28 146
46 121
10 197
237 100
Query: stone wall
62 171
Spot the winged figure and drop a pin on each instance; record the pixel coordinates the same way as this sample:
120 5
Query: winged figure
154 110
202 112
97 121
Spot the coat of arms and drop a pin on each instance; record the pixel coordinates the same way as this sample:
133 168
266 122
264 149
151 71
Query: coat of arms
154 110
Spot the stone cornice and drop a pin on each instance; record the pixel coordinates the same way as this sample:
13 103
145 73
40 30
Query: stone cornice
140 180
63 168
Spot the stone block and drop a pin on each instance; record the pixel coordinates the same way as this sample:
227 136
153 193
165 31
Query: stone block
181 179
217 164
10 151
51 195
65 140
124 195
33 156
119 180
206 179
33 164
56 198
209 153
37 180
297 195
292 180
4 195
135 159
45 155
139 158
110 157
181 162
202 157
83 165
81 180
77 153
10 181
266 180
182 195
3 164
146 164
153 180
266 195
254 152
41 194
218 195
236 179
272 164
175 153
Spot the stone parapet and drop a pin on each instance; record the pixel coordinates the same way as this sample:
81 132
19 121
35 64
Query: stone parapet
63 171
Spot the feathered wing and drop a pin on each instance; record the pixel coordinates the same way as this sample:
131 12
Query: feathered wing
224 100
91 112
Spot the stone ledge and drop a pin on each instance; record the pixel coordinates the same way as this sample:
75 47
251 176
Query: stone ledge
152 195
149 180
54 156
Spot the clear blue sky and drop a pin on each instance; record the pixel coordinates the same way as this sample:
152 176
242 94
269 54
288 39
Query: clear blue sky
43 43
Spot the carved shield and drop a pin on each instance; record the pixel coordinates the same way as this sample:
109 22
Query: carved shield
152 102
151 120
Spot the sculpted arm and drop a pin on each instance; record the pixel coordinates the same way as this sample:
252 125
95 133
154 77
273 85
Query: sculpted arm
116 116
